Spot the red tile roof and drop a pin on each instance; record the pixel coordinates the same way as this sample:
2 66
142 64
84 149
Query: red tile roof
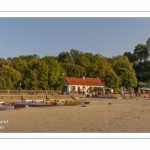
85 81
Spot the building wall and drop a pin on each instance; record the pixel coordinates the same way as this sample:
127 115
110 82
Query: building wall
76 88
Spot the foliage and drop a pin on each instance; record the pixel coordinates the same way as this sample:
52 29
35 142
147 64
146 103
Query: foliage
125 71
148 44
55 72
73 70
9 77
130 56
141 52
64 57
143 71
107 74
48 72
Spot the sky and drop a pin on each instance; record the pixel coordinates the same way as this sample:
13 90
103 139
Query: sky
49 36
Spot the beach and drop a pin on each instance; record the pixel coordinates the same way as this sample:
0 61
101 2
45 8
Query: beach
101 116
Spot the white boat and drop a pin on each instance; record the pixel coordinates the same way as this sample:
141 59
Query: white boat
35 103
60 103
6 107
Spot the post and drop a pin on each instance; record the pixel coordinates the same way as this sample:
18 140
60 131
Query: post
20 88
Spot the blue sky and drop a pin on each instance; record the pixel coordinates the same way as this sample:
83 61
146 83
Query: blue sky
50 36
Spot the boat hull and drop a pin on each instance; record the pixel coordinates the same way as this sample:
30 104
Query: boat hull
6 107
86 102
60 103
72 103
18 105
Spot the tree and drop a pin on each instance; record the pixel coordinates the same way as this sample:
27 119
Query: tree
55 72
107 74
143 71
130 56
30 80
64 57
42 74
90 63
148 44
3 62
36 76
73 70
9 77
29 57
124 70
19 64
75 55
141 52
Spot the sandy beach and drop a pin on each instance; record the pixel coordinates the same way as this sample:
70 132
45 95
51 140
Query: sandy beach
102 116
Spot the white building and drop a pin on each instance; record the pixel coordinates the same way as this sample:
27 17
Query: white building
84 84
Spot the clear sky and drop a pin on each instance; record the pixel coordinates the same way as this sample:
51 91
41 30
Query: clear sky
50 36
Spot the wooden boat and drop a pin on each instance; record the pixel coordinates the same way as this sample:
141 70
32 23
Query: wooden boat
14 105
72 103
18 105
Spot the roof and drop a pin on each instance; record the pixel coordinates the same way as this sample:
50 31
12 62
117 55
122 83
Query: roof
84 81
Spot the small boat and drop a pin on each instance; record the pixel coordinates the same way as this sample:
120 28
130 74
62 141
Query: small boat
25 102
40 103
60 103
18 105
32 103
6 107
72 103
14 105
86 102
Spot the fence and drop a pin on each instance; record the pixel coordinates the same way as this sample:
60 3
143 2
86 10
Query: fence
28 92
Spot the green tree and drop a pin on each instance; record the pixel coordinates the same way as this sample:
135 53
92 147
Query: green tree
73 70
42 74
64 57
3 62
130 56
107 74
75 56
124 70
30 80
29 57
90 63
36 75
9 77
142 70
55 72
148 44
141 52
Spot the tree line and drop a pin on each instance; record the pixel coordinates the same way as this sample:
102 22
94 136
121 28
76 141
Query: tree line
49 72
140 60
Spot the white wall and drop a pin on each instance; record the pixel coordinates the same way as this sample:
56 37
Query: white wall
69 87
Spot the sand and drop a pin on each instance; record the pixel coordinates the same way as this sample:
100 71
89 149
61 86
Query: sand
102 116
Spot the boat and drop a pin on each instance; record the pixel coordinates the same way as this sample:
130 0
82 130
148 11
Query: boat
36 103
72 103
6 107
14 105
60 103
18 105
86 102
